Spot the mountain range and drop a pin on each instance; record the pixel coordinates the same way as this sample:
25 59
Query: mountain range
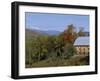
44 32
33 33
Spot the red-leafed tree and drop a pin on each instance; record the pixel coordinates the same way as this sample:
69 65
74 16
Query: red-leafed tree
70 34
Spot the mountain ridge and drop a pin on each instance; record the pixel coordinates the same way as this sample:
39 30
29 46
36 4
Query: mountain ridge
45 32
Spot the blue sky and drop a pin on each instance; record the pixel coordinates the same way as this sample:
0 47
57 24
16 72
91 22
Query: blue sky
58 22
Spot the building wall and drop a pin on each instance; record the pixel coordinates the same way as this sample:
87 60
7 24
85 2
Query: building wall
82 50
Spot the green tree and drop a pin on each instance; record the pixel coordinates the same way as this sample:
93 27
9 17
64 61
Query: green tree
69 51
28 52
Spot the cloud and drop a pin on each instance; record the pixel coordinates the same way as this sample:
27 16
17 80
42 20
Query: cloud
35 27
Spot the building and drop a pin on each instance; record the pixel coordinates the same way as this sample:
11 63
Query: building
82 45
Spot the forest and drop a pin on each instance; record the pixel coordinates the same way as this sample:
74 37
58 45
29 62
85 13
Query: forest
43 50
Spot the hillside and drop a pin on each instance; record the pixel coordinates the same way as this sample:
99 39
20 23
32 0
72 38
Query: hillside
31 34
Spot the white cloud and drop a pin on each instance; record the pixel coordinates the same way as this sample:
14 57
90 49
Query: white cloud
35 27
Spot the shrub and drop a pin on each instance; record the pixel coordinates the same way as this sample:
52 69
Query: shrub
69 51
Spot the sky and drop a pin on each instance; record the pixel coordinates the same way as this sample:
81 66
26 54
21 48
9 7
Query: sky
57 22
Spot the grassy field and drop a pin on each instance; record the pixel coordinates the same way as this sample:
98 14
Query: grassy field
54 62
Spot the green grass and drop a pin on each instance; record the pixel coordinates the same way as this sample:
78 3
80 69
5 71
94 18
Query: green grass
55 62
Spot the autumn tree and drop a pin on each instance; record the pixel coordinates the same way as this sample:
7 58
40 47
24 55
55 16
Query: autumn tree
70 34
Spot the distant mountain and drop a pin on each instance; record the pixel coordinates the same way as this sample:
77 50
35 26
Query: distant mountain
30 34
53 32
39 32
44 32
